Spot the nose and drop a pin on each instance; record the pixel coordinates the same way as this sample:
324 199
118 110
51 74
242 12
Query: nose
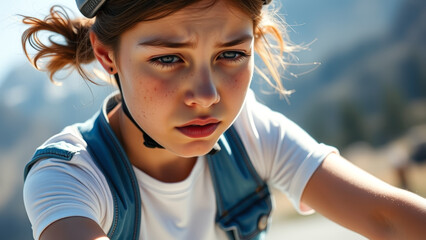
203 90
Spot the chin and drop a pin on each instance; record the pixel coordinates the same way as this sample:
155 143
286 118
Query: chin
195 149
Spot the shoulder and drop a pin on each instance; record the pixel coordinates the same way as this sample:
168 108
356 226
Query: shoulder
65 148
271 132
282 153
65 154
262 122
263 133
58 185
268 132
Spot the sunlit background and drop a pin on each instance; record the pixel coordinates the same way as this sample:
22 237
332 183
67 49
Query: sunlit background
367 97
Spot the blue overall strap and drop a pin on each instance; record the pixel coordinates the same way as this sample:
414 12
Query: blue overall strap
242 197
110 157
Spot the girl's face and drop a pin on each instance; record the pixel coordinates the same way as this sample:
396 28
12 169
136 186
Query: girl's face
185 76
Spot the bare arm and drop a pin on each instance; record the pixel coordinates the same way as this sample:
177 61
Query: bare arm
74 228
357 200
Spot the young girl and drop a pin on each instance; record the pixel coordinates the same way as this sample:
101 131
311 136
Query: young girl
183 150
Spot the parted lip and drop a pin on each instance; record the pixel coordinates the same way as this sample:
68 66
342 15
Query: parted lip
200 122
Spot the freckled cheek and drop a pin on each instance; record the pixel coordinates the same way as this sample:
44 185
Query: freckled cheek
239 80
235 88
154 93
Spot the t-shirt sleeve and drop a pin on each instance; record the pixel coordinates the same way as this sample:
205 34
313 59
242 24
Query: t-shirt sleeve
56 189
282 153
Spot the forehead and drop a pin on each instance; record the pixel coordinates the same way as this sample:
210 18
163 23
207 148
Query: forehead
206 12
219 21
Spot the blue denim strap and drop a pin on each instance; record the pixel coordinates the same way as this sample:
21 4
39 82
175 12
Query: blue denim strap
112 160
242 197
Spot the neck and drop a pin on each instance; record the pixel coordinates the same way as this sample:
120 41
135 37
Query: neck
160 164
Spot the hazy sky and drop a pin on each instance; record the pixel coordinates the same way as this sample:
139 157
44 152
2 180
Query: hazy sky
11 28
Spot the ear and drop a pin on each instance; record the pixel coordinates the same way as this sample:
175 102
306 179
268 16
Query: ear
104 54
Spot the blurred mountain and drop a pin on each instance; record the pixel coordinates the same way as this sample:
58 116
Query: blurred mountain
31 110
29 92
28 99
372 92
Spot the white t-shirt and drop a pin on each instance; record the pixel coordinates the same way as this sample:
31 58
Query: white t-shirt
281 152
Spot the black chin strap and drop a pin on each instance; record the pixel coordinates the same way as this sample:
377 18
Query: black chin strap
148 141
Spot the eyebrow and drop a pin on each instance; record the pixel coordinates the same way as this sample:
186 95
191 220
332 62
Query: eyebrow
160 42
237 41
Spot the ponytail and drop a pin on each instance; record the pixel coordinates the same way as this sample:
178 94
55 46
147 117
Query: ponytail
75 51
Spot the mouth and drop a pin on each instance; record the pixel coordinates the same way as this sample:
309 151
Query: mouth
199 128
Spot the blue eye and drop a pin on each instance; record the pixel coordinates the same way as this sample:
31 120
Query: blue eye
232 56
166 61
229 54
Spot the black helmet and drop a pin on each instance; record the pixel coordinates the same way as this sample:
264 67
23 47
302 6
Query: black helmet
89 7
